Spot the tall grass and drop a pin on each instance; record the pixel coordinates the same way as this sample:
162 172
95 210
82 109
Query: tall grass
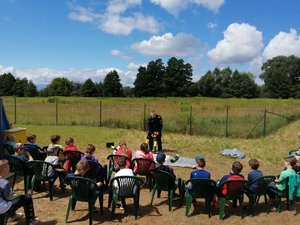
199 116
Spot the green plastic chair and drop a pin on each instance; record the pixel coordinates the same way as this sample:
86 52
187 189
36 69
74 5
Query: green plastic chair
5 216
165 181
20 168
41 170
262 188
124 187
35 151
84 190
74 156
144 167
235 190
112 166
200 188
9 149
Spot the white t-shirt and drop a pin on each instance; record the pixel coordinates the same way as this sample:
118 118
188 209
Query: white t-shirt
123 172
54 160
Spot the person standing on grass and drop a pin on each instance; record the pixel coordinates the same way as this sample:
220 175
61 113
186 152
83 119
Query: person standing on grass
155 125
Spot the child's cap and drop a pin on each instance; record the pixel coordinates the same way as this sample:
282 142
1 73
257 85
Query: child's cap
199 157
160 157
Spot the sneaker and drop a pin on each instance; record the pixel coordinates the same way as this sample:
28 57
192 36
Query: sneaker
122 206
36 221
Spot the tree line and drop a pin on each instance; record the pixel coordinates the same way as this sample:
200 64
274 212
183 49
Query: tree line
281 76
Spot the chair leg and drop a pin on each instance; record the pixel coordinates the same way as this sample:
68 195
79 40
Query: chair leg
51 183
69 207
101 202
136 205
153 193
170 196
241 206
222 201
32 183
91 211
14 181
188 204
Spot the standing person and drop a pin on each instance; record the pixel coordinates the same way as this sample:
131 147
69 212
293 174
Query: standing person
155 125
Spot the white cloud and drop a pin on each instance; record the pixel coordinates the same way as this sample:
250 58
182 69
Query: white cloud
113 19
172 6
212 26
213 5
43 76
120 54
241 43
122 25
134 67
175 6
283 44
168 45
83 15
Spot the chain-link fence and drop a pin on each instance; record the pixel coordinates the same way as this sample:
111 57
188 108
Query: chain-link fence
196 116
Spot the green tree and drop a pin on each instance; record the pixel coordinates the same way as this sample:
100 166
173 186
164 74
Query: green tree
19 87
128 91
88 89
112 86
30 90
7 81
178 77
281 75
150 80
60 87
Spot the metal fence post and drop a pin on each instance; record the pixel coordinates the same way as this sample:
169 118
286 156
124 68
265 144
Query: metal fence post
15 102
100 113
190 120
226 124
265 122
144 120
56 111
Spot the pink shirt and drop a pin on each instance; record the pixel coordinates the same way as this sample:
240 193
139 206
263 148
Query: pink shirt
143 155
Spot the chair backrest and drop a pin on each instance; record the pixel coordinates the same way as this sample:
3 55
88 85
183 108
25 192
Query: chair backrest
234 188
113 159
261 184
128 186
164 180
9 149
94 170
18 166
83 189
201 187
42 170
74 156
34 151
143 166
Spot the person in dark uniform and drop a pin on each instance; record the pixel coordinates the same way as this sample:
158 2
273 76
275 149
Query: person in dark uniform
155 124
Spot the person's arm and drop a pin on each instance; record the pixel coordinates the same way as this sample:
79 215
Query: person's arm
28 156
161 123
150 129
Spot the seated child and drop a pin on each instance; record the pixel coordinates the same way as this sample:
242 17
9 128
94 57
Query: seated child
253 174
143 153
297 166
280 183
10 140
70 146
89 153
31 139
122 172
234 175
124 150
21 153
55 139
11 202
59 171
200 172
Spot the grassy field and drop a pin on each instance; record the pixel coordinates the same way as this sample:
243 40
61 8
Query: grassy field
269 151
199 116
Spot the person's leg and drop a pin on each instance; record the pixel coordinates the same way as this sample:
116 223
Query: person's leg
123 203
159 144
150 142
28 209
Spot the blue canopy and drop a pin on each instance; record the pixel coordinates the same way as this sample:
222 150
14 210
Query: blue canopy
4 124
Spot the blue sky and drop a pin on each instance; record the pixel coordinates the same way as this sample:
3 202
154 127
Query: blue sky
81 39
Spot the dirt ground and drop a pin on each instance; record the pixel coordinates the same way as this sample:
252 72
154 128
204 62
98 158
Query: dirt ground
53 212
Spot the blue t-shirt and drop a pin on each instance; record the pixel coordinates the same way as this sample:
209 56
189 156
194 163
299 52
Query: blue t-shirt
254 174
200 174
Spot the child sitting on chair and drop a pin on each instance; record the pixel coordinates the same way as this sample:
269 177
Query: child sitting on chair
55 139
69 146
144 153
31 139
10 140
253 174
89 153
122 172
124 150
59 171
21 153
9 202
